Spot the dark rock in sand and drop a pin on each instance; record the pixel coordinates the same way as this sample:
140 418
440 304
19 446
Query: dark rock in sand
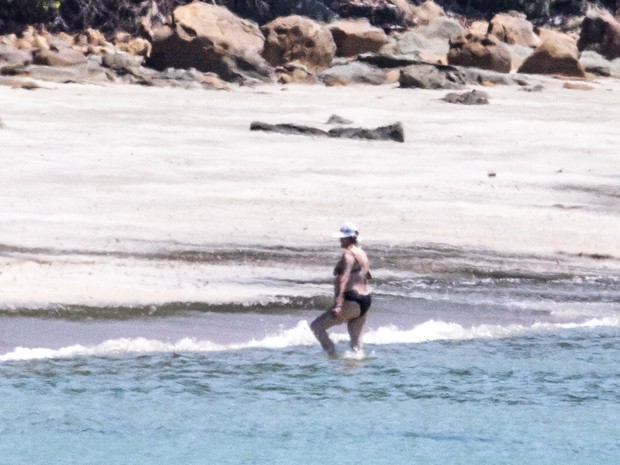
468 98
536 88
286 128
337 119
427 76
393 132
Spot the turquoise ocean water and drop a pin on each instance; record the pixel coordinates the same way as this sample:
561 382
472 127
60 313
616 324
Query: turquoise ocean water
475 360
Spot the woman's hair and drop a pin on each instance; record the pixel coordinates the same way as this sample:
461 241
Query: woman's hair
351 239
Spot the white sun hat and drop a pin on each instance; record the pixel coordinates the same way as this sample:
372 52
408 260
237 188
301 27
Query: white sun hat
347 230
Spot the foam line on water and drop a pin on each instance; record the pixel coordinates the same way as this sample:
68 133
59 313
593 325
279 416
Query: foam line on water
301 335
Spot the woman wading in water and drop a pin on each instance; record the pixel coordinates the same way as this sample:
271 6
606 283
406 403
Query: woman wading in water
352 296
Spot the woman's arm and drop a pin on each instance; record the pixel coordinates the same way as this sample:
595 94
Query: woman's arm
347 260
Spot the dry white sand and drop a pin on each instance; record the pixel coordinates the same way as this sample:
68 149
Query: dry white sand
124 168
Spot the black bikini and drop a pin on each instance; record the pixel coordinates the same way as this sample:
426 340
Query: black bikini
363 301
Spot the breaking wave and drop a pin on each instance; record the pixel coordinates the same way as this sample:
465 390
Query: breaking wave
301 335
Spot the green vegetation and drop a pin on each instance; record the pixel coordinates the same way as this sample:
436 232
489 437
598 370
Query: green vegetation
29 11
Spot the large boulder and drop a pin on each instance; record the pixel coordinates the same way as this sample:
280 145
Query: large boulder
600 34
441 28
427 76
12 59
416 44
355 72
295 38
486 52
557 54
59 56
596 64
210 38
514 29
355 36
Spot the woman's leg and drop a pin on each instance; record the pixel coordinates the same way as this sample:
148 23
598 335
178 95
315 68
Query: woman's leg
349 311
319 327
356 329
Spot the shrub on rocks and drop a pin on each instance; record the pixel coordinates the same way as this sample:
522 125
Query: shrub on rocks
295 38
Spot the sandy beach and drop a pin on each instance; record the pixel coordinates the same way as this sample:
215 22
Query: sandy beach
128 169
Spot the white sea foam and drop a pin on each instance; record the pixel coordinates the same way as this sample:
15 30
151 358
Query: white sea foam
301 335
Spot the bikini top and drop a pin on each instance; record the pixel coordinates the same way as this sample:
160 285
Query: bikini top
357 267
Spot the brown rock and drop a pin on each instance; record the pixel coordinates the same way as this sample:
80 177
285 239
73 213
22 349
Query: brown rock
486 52
577 86
600 34
135 46
95 37
213 82
479 28
9 39
210 38
63 56
514 29
427 12
355 36
65 38
295 73
295 38
558 54
13 59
